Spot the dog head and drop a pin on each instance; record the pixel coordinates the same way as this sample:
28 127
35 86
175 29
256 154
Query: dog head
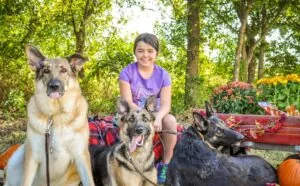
137 125
214 129
54 74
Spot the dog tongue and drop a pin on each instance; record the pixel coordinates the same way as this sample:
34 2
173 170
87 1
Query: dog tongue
136 140
54 95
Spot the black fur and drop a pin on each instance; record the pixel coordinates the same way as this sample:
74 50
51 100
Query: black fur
98 157
194 163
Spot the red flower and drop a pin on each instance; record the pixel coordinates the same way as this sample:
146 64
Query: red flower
229 92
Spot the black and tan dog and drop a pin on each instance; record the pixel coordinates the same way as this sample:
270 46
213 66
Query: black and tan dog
130 162
57 105
196 160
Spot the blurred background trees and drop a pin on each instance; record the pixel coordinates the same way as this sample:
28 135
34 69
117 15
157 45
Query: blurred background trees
204 44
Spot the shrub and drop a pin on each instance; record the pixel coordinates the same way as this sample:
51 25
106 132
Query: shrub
236 97
281 91
14 105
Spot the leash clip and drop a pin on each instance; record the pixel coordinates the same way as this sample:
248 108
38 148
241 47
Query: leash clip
48 129
49 133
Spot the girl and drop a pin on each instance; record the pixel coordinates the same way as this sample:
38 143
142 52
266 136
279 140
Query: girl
144 78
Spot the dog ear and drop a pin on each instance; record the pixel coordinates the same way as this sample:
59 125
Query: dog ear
77 61
122 106
34 56
209 110
150 104
200 122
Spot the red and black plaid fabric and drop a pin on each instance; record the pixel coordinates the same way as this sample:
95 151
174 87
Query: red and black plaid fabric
104 132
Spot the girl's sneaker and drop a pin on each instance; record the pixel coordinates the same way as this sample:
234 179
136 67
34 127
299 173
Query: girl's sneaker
162 170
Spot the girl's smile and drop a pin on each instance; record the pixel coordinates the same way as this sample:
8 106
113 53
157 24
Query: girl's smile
145 55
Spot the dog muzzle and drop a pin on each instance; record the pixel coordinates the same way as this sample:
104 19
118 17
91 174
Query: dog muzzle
55 89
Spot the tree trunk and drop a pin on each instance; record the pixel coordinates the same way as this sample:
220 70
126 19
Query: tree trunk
251 70
193 30
242 72
79 26
262 44
265 28
249 63
80 40
244 9
261 59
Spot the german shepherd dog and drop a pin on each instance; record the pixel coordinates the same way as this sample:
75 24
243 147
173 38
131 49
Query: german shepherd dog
196 160
130 162
57 105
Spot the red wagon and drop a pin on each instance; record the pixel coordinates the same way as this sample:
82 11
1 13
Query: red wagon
266 132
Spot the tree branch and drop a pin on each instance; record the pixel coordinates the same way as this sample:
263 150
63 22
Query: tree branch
269 26
222 18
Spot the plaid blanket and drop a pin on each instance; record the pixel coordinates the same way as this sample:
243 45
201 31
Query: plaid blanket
104 131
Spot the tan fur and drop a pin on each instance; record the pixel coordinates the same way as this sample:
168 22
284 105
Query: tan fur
120 176
70 160
120 171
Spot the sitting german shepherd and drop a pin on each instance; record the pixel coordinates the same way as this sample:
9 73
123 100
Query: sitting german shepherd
130 162
57 107
196 160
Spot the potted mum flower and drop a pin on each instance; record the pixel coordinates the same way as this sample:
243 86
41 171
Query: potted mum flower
236 98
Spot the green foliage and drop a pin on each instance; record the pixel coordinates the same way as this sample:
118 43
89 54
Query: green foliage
14 104
236 97
51 26
100 83
281 91
283 60
16 86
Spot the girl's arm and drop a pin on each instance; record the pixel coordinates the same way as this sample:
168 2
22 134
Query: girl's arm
126 94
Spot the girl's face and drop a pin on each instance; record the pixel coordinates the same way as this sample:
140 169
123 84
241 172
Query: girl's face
145 55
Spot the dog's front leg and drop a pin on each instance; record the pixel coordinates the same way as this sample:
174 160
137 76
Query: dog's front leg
30 166
83 165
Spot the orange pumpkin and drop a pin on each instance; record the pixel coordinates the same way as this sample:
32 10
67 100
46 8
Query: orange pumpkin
289 171
4 157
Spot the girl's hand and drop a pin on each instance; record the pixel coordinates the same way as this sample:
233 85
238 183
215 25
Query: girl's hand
157 124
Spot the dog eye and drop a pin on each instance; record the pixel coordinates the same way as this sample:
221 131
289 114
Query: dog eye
46 71
219 131
145 119
63 70
131 119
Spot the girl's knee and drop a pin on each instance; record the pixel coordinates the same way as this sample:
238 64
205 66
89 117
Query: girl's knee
169 121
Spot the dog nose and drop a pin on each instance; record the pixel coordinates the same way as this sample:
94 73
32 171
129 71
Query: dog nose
139 129
54 84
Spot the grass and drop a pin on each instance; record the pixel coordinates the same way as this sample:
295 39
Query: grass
273 157
11 132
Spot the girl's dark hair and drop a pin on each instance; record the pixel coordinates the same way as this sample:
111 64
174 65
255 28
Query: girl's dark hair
150 39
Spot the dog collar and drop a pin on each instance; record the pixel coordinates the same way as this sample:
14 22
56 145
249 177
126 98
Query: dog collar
203 139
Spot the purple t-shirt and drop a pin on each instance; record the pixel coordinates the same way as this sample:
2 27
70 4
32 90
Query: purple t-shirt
142 88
